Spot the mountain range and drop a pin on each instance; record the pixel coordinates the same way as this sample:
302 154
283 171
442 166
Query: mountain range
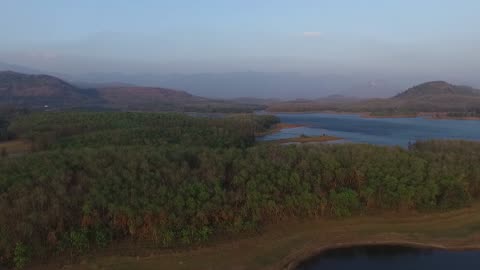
229 85
44 91
435 96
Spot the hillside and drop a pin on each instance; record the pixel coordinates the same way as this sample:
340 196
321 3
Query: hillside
163 99
436 96
151 98
328 103
438 88
42 90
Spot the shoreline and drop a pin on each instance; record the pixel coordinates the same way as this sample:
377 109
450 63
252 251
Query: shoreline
306 140
426 115
277 128
299 259
369 115
443 116
286 244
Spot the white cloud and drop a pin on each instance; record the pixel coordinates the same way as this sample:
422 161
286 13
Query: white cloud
311 34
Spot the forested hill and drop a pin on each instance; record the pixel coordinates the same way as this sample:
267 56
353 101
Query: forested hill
174 180
436 96
438 88
162 99
42 90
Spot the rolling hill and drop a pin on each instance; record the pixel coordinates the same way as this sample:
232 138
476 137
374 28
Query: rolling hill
163 99
435 96
43 91
436 89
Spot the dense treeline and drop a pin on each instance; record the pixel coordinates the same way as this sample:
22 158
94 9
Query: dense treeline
7 113
82 129
184 191
3 128
475 112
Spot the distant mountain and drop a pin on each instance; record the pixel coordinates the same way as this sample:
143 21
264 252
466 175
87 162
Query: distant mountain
337 99
252 100
266 85
101 85
42 90
142 96
438 88
435 96
329 103
162 99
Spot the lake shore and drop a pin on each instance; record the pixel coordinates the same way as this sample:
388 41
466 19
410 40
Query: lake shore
277 128
299 259
444 116
426 115
370 115
307 139
285 245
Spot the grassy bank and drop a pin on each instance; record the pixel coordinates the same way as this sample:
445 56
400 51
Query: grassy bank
282 246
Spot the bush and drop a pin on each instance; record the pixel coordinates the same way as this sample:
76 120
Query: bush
76 241
453 194
102 237
344 202
21 256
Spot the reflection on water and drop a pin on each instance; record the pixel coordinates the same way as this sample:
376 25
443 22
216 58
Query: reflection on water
392 258
382 131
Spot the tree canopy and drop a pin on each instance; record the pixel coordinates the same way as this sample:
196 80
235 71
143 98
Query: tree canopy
178 180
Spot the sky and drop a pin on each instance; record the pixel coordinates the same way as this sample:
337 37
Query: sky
436 38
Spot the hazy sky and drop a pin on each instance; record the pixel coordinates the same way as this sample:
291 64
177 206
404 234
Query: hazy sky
433 37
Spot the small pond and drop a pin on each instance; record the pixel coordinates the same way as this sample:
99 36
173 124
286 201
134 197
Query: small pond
392 257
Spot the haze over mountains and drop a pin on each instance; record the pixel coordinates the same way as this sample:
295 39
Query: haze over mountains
44 91
435 96
48 92
285 85
266 85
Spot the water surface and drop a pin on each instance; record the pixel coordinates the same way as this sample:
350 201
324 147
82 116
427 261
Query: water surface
382 131
393 258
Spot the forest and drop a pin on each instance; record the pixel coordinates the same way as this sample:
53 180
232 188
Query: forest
95 178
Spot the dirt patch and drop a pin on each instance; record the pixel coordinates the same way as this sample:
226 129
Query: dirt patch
15 147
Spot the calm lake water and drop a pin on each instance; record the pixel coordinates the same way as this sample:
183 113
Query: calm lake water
393 258
382 131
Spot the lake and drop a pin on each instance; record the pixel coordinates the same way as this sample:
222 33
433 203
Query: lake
392 258
381 131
